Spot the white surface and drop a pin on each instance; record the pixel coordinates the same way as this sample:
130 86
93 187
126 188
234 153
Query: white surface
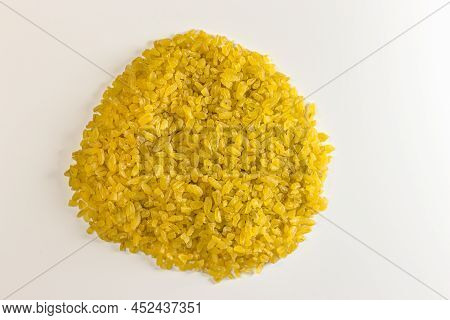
389 182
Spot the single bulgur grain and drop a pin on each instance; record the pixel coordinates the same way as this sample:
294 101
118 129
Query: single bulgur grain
203 156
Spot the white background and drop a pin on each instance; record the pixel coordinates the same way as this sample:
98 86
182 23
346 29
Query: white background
389 181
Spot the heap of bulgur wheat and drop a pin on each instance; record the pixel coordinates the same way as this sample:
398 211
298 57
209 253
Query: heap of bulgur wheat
203 156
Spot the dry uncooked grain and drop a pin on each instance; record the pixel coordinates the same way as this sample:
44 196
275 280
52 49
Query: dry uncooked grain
203 156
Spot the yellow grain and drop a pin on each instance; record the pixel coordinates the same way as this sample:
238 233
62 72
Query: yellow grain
202 156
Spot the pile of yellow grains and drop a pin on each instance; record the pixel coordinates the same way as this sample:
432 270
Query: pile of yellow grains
203 156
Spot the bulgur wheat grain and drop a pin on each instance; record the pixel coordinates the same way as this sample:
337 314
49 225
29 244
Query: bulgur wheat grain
203 156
